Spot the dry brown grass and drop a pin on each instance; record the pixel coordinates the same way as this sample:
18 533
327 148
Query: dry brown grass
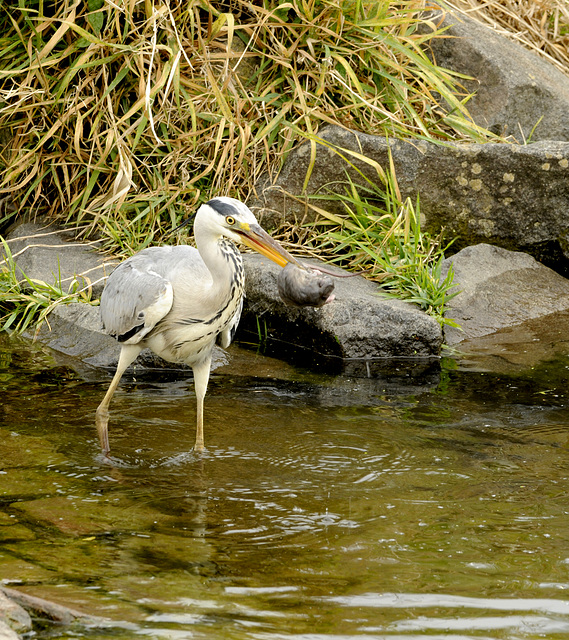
539 25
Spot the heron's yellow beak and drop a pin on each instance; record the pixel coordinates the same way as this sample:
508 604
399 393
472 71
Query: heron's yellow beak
258 239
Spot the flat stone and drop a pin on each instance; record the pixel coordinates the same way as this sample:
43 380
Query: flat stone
51 255
23 483
168 552
15 533
517 349
500 289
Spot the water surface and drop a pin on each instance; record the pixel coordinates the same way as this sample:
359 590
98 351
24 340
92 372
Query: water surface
325 507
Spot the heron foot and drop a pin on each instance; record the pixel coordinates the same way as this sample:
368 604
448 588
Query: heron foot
102 422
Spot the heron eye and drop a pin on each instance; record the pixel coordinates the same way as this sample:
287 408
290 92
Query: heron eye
230 221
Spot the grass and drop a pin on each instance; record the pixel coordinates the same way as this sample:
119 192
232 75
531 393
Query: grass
126 116
381 234
25 303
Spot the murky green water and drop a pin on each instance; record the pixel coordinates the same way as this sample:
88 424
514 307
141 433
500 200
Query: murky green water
325 507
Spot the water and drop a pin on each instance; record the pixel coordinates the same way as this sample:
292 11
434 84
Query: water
432 504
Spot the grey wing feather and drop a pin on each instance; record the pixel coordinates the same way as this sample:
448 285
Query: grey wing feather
135 298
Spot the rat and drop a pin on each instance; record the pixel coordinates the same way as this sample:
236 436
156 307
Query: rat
305 287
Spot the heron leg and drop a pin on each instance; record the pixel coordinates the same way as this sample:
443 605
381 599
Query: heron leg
201 378
128 355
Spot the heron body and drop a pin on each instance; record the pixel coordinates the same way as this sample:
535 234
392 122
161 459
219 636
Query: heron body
178 301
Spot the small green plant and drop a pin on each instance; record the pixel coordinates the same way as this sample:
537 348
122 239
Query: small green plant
262 331
26 303
381 234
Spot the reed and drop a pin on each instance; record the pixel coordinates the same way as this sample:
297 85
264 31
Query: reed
125 116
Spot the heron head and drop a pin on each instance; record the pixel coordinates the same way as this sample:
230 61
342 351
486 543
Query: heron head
234 220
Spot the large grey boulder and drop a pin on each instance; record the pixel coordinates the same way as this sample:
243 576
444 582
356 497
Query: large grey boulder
515 91
500 289
509 195
358 324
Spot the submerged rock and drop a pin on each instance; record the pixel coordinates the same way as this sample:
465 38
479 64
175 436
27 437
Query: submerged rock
500 289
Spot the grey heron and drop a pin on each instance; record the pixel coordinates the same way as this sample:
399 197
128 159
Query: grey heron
180 300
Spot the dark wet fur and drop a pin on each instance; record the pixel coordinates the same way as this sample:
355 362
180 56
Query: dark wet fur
304 287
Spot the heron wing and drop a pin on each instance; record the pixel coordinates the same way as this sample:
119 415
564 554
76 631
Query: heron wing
136 297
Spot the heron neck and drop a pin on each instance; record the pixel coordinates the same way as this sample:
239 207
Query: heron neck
223 260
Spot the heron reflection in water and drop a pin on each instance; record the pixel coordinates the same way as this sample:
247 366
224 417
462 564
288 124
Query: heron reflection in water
179 301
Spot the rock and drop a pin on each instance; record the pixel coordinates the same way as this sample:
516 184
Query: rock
357 324
76 330
360 325
509 195
514 197
13 616
520 348
284 200
516 92
499 289
6 633
49 610
50 254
